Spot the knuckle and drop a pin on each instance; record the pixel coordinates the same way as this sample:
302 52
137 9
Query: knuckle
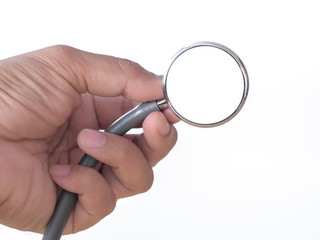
147 182
124 150
65 57
126 64
130 70
62 51
173 136
110 205
140 184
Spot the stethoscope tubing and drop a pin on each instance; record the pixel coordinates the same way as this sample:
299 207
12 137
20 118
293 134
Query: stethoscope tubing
67 200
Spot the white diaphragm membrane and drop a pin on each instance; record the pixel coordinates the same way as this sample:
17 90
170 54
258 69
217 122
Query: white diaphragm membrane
205 85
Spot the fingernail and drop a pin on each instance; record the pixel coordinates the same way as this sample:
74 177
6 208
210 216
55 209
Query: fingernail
60 170
165 128
93 138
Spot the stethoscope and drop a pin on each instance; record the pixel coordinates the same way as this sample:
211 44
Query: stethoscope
131 119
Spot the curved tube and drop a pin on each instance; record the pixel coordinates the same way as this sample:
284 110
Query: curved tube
67 199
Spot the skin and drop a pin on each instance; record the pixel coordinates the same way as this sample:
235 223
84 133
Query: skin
50 100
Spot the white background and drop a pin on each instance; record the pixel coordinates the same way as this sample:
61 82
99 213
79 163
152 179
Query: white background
256 177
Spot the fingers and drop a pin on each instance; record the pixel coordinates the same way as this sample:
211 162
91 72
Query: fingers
96 199
128 168
129 172
158 139
172 118
102 75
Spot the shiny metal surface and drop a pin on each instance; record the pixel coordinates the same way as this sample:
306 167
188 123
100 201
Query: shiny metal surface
162 104
244 75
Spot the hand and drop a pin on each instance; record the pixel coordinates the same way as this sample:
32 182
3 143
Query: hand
49 101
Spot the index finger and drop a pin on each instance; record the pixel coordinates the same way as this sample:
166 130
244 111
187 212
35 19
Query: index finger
103 75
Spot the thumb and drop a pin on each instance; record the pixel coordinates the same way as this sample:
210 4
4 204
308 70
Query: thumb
95 198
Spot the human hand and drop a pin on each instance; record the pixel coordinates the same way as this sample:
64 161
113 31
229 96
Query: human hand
49 99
